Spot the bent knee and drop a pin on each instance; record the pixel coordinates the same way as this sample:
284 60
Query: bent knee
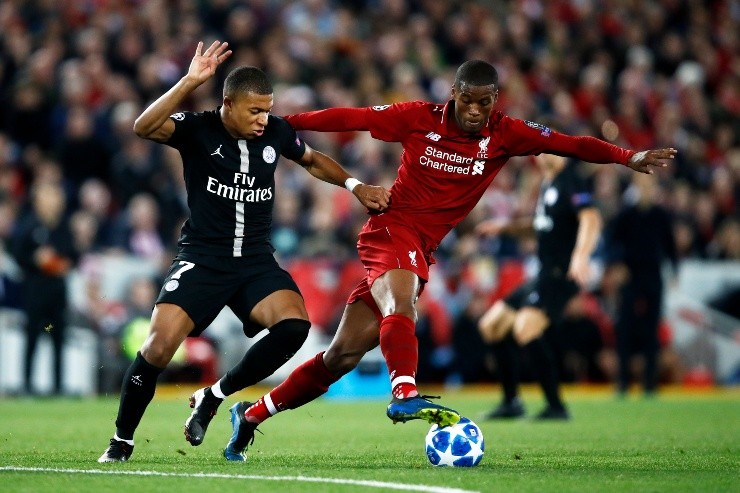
159 352
293 332
496 322
530 324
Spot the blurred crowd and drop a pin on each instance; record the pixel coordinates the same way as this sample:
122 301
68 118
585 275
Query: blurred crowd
641 74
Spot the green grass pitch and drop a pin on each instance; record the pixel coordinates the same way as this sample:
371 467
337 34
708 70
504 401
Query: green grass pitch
673 443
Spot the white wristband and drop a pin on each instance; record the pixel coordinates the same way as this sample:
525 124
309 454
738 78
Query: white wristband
351 183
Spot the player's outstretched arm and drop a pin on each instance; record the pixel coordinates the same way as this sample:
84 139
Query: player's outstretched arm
154 122
645 161
325 168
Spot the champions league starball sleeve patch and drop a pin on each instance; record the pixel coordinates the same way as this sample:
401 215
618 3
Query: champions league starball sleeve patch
544 131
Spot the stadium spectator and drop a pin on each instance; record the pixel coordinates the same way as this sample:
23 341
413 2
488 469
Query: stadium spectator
138 229
45 250
225 256
451 153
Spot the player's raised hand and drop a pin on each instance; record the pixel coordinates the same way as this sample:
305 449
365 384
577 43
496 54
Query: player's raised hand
204 63
372 196
645 161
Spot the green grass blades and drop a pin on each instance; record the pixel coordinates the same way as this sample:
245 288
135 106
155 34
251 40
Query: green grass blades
671 443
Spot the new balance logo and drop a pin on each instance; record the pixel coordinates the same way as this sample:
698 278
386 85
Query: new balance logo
412 256
433 136
217 152
136 380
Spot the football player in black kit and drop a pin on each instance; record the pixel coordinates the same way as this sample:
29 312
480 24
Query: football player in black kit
224 254
567 225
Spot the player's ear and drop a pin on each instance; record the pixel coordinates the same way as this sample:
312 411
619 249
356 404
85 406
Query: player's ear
228 102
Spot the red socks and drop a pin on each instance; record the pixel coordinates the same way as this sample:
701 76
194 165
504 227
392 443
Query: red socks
304 384
401 352
312 379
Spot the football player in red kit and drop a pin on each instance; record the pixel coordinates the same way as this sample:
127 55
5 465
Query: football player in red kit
452 152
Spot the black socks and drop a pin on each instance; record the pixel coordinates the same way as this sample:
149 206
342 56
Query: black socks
266 355
137 391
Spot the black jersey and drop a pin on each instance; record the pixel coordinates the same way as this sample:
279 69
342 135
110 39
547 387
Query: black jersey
230 183
556 218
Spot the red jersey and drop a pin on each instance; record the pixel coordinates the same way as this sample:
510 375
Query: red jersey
444 171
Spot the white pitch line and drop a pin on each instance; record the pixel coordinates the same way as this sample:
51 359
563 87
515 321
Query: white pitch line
305 479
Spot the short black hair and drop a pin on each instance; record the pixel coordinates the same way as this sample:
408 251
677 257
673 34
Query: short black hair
242 80
476 73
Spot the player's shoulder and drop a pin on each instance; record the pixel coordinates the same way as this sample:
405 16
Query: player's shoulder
277 120
196 117
416 107
279 128
499 119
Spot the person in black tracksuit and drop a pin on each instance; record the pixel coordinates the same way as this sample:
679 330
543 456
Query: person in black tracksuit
44 248
640 241
224 257
567 225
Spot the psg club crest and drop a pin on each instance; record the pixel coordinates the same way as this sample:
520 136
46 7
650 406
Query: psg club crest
269 155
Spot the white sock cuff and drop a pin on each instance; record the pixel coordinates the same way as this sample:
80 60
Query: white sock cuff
402 379
216 390
116 437
269 405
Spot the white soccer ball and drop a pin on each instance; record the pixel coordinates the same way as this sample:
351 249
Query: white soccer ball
459 445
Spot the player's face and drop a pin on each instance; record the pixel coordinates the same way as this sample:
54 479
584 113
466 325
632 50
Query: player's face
246 115
473 106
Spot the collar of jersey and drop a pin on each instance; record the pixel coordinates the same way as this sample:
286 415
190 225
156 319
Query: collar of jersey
452 129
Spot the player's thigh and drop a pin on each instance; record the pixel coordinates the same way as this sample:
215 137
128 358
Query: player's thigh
358 333
278 305
529 324
267 295
396 261
496 322
200 291
396 291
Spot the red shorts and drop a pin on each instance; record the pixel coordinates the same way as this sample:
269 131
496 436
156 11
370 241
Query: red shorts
385 245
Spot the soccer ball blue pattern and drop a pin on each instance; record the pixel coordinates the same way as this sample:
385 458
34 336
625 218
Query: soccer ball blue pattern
459 445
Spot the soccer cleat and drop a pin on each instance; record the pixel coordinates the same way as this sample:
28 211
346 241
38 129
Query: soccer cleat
507 410
117 451
243 434
420 407
204 409
553 414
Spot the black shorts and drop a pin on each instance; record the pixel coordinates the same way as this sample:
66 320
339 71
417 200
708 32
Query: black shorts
204 290
548 293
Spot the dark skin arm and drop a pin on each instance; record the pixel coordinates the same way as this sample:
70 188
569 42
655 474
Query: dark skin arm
326 169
